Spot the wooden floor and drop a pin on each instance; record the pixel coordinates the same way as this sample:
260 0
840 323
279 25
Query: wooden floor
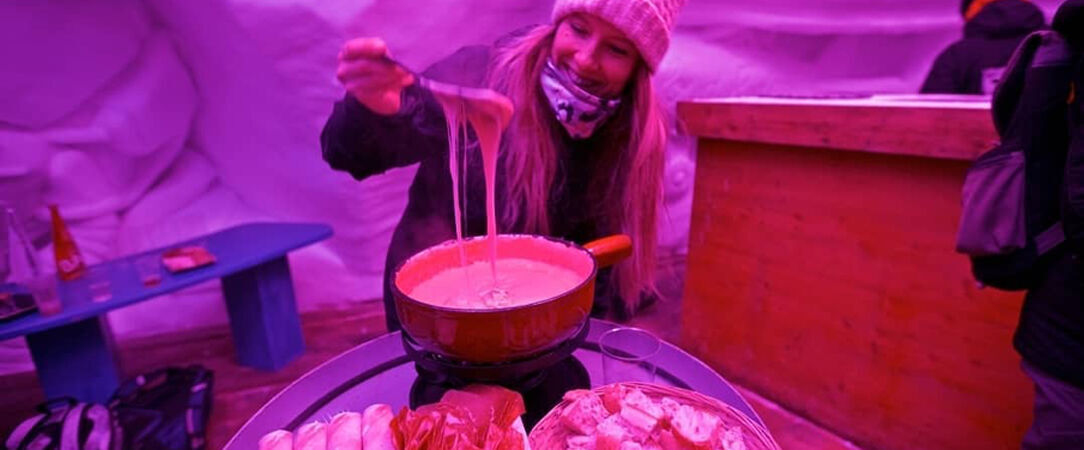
240 391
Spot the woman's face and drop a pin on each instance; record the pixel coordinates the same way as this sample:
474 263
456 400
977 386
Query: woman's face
596 55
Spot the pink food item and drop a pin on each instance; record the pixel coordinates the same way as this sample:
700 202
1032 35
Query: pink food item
311 436
669 407
475 417
186 258
694 427
637 423
277 440
505 405
665 440
730 439
610 433
612 396
636 399
580 443
376 428
585 412
641 415
344 431
620 417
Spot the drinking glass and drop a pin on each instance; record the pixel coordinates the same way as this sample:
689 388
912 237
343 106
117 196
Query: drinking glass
628 354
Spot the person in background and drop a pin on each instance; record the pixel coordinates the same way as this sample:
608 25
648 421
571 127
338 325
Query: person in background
992 30
1050 334
583 154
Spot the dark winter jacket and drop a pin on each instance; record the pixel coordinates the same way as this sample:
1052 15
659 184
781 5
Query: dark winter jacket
1050 334
973 64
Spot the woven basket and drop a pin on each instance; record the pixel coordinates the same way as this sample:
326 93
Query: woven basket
550 434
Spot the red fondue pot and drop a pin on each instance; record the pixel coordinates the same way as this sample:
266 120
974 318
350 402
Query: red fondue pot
511 333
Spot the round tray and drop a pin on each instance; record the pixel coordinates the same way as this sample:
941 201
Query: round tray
549 433
380 371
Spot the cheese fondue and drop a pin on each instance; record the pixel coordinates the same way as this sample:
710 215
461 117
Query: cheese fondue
519 281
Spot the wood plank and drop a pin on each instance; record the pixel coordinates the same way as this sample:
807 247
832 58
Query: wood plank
826 281
936 132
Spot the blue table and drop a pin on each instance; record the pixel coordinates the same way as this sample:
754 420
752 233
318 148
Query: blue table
73 351
379 371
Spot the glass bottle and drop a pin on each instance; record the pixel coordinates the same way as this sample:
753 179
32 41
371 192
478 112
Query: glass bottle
69 262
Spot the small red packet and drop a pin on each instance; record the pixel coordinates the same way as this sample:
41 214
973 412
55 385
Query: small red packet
186 258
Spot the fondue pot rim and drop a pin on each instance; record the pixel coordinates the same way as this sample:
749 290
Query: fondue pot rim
572 245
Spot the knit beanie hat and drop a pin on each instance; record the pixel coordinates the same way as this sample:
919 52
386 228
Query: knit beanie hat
647 23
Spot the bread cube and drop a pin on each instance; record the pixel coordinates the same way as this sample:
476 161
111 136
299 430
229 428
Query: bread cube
694 427
584 413
610 433
580 443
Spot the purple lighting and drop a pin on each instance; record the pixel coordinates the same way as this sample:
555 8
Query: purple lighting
153 121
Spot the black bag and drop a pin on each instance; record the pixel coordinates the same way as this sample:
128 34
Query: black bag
165 409
66 423
1011 196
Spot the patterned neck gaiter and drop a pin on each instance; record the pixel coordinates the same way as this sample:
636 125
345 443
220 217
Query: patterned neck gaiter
579 111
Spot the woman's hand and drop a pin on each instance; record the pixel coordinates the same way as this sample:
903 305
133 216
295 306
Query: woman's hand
367 74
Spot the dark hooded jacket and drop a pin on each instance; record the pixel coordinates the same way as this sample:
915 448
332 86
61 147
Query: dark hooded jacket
973 64
1050 334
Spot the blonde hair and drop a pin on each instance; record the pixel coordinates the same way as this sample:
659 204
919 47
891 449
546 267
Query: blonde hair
636 137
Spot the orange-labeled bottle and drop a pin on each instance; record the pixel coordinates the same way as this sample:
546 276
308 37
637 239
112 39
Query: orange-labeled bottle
69 262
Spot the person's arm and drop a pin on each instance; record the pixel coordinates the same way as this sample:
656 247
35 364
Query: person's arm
367 140
362 142
942 78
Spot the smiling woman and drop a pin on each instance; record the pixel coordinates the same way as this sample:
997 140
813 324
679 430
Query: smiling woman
596 55
581 158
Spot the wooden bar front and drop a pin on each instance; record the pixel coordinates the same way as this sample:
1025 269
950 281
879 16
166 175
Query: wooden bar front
822 275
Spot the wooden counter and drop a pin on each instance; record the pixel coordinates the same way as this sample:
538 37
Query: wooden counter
822 275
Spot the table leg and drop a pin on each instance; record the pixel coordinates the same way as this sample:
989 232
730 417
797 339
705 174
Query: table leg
76 360
263 315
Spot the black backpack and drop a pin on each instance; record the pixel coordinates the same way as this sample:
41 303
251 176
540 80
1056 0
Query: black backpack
164 409
65 423
1011 215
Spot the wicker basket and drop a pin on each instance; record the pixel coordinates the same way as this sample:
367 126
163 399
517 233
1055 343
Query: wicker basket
550 434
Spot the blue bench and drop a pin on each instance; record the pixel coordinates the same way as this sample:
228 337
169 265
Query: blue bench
73 351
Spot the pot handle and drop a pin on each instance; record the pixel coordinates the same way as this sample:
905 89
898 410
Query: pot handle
610 250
